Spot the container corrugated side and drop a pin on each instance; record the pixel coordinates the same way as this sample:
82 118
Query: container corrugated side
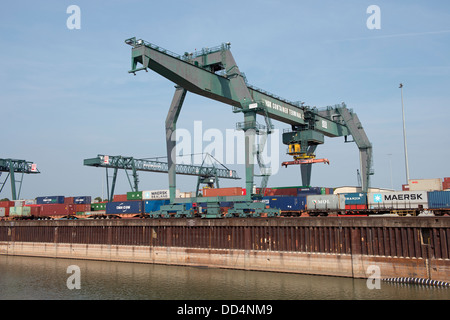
154 205
439 199
223 192
57 209
19 212
325 202
286 203
397 200
124 207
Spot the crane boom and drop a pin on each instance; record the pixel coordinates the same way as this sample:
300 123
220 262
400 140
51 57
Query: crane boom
213 73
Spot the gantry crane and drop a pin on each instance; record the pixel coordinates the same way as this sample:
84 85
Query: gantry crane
206 174
213 73
12 166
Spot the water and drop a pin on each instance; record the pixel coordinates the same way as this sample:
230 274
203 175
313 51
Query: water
32 278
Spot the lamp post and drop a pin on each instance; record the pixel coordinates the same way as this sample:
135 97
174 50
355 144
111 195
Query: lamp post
404 137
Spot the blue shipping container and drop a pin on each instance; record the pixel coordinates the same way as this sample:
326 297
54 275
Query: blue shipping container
286 203
154 205
355 198
438 199
124 207
82 200
50 199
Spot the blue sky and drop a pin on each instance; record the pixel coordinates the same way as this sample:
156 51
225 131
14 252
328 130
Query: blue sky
66 95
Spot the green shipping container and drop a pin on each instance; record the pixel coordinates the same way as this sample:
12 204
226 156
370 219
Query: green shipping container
98 206
20 211
134 195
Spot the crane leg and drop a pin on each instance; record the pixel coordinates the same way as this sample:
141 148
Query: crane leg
171 122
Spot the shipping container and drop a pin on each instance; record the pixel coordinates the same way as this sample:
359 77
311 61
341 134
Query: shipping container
154 205
439 199
50 200
98 206
355 198
82 200
223 192
6 204
446 184
58 209
119 197
68 200
19 212
158 194
82 207
30 201
3 212
325 202
310 190
425 184
35 209
397 200
123 207
286 203
405 187
134 195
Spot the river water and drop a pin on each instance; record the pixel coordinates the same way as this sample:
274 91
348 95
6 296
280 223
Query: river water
35 278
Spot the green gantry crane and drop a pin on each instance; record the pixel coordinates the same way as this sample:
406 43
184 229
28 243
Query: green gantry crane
206 174
213 73
12 166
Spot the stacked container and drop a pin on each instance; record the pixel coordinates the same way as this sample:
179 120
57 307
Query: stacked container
50 200
223 192
355 201
5 207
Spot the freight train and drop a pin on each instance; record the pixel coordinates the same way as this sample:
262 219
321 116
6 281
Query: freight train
290 202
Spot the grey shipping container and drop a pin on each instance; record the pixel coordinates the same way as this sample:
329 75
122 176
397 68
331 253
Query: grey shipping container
325 202
398 199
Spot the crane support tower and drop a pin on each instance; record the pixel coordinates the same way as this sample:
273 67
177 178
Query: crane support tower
12 166
213 73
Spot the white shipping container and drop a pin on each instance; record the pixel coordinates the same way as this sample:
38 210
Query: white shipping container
425 185
398 199
2 212
158 194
